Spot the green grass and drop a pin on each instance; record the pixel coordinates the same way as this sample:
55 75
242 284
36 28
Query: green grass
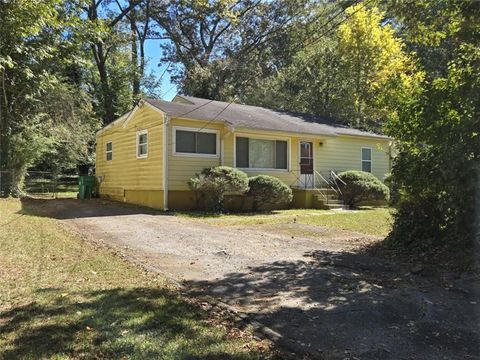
370 221
62 297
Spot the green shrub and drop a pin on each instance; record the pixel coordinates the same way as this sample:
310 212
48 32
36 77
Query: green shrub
269 190
211 185
395 195
361 186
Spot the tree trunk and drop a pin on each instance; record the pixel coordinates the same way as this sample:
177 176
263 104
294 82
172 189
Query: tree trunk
134 54
5 182
100 60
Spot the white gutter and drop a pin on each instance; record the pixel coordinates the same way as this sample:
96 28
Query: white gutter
166 121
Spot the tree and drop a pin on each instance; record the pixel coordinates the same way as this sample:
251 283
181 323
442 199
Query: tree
352 73
221 47
33 119
437 168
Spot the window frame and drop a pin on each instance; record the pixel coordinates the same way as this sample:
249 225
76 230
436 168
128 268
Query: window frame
139 133
108 151
369 161
262 137
195 130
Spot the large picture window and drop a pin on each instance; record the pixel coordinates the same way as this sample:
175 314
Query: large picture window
194 142
254 153
367 159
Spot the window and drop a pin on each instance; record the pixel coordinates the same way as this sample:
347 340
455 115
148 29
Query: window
367 159
142 144
109 151
261 153
196 142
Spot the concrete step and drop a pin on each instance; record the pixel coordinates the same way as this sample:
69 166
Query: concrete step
336 206
335 201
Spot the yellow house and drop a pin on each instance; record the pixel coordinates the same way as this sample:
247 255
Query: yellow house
148 155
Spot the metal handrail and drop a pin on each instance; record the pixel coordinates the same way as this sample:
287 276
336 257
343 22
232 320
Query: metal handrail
294 172
335 177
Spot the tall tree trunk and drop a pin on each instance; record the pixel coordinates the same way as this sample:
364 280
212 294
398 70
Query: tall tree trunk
5 177
100 60
134 54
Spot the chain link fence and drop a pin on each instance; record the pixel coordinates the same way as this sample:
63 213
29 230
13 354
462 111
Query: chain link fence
42 184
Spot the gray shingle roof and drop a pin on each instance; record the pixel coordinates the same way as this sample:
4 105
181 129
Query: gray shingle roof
254 117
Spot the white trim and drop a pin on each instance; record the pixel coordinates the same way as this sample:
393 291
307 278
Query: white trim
371 158
313 158
114 122
107 151
191 129
130 115
166 122
137 107
138 134
144 102
222 151
262 169
262 137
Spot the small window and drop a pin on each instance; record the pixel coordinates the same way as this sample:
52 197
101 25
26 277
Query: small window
367 159
109 151
261 153
195 142
142 144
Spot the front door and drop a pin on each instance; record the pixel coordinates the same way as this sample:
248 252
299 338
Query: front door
307 178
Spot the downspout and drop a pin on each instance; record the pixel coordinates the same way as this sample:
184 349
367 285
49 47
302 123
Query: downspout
165 162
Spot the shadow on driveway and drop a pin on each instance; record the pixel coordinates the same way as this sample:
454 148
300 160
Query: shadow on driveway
348 306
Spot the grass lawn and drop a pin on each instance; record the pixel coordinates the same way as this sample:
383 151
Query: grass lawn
62 297
370 221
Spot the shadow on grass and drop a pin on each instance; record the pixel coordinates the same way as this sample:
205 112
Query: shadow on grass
207 215
116 323
75 208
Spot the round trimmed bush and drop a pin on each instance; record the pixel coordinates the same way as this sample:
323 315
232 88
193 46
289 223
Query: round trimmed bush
211 185
268 190
361 186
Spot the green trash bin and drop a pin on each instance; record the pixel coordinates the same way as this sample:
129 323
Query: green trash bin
85 186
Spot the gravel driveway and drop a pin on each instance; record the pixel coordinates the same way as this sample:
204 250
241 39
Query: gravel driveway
334 303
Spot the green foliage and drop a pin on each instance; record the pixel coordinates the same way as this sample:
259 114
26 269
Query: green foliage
358 186
354 74
395 195
436 170
211 185
268 190
221 48
41 113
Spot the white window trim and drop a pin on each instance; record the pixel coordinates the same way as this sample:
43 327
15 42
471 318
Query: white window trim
191 129
370 161
262 137
106 151
143 156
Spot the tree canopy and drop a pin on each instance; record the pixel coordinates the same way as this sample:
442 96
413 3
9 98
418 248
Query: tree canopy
409 69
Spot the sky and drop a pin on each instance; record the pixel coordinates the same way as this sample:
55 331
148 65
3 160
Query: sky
153 53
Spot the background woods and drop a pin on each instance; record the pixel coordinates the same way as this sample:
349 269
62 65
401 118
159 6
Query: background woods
409 69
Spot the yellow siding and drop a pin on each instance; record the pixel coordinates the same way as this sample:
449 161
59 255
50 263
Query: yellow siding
125 172
344 153
141 180
181 168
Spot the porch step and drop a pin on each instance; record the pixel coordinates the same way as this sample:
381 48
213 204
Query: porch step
334 201
335 206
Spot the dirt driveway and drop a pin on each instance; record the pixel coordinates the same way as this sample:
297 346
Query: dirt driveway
334 303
